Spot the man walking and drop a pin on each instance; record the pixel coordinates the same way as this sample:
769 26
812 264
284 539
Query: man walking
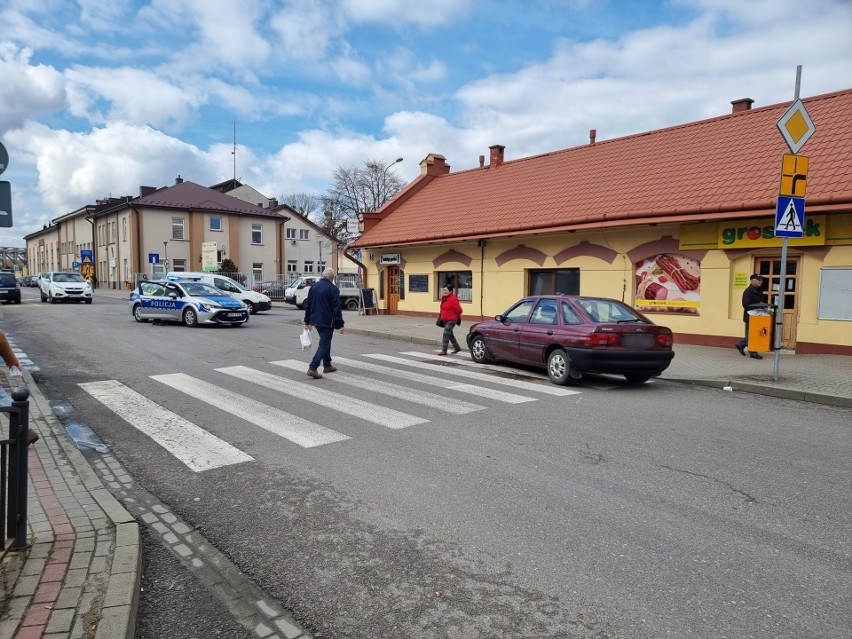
752 298
322 311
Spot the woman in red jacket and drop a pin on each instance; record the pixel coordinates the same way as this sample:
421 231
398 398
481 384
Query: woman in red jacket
451 314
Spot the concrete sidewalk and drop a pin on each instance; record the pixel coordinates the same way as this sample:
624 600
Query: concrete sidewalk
80 576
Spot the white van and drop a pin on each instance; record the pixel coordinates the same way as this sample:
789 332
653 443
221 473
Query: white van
255 301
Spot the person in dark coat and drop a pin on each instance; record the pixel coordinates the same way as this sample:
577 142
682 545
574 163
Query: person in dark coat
752 298
323 312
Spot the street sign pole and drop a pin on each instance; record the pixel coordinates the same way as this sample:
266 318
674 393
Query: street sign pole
779 311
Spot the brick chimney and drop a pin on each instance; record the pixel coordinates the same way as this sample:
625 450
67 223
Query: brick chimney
496 158
743 104
434 164
146 190
593 133
481 161
178 180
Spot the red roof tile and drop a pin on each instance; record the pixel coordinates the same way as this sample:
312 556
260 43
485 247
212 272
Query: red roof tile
722 167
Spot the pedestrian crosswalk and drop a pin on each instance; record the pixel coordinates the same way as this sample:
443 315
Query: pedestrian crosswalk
401 380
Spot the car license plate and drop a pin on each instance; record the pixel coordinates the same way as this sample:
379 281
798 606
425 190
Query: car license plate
639 342
237 315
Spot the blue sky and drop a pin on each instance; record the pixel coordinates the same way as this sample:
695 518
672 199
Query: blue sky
98 98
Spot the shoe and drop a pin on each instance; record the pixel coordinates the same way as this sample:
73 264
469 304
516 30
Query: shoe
755 356
442 353
312 372
456 350
329 369
741 349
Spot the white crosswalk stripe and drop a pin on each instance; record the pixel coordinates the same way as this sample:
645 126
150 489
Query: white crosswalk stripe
548 389
192 445
418 396
367 411
295 429
435 380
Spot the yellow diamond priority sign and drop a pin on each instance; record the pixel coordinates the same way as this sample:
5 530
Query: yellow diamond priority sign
796 126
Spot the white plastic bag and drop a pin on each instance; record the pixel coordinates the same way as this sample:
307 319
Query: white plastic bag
305 338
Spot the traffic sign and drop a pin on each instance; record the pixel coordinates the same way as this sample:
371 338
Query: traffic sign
75 264
796 126
5 204
790 217
794 175
153 258
4 158
87 256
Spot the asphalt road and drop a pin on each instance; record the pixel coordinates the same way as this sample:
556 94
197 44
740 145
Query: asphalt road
616 511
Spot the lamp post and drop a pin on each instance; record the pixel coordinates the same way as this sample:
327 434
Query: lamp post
165 257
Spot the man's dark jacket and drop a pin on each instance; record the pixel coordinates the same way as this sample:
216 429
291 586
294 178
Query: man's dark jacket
322 307
752 295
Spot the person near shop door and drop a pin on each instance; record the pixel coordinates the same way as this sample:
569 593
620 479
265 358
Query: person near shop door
451 312
752 298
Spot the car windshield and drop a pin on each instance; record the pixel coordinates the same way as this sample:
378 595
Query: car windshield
68 277
202 290
609 311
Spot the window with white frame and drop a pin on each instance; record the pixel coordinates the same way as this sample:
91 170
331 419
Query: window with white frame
178 265
320 266
177 228
291 234
303 234
257 271
215 223
257 233
309 266
292 266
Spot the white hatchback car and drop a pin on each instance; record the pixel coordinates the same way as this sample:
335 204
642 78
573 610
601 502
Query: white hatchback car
64 287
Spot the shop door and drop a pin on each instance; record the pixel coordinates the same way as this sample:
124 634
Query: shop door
393 289
770 268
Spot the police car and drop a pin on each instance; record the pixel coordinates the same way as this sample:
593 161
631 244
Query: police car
193 303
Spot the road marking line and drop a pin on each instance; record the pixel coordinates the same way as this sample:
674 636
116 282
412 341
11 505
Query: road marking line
295 429
548 389
368 411
424 398
442 382
194 446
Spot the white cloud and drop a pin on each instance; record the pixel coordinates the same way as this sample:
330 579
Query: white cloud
26 90
394 13
305 30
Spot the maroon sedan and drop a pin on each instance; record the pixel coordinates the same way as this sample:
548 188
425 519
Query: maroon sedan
570 335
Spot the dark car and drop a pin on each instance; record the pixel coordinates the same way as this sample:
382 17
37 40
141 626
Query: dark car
30 280
571 335
10 288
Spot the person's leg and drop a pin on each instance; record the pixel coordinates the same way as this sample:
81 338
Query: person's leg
451 325
323 348
445 337
744 341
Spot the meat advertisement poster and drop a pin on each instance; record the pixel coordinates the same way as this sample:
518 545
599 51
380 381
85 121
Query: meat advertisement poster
668 283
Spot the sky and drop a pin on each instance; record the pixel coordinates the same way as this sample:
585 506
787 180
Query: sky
99 98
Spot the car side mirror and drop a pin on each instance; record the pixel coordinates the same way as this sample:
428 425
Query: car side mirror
173 295
499 318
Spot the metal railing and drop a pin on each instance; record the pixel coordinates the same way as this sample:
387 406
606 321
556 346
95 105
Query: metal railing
14 468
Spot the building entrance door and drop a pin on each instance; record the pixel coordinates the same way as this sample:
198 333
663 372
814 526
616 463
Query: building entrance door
393 289
770 268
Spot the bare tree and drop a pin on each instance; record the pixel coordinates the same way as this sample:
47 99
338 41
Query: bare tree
358 189
305 204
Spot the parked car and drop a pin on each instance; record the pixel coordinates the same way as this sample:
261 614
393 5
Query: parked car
297 292
252 299
571 335
191 302
10 288
64 287
274 289
30 280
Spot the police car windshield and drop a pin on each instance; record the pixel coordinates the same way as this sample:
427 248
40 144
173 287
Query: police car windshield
202 290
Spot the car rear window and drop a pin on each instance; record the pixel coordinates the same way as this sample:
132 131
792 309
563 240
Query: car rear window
7 279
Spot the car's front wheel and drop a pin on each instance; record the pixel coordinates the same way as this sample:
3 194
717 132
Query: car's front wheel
636 378
43 296
351 304
479 351
559 367
51 299
88 301
137 313
190 318
251 308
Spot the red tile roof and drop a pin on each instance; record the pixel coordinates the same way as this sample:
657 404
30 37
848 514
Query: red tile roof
724 167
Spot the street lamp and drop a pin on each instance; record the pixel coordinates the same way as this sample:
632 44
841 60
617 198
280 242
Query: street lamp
165 257
396 161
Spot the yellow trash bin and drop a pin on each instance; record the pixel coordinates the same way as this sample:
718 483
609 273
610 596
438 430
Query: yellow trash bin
760 330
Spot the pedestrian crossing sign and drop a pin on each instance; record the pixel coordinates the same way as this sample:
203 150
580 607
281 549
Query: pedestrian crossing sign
790 217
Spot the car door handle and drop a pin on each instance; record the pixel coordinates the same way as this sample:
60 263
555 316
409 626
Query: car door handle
550 332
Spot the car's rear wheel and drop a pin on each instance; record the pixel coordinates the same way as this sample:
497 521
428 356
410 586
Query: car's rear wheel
351 304
251 308
479 351
190 318
636 378
559 367
137 313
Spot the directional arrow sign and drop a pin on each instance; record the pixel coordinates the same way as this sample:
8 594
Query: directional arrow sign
790 217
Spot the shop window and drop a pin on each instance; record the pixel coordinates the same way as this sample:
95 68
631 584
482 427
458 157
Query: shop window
564 281
461 281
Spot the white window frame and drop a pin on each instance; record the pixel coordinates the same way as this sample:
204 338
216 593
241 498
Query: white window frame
178 228
291 233
257 229
218 220
304 234
309 266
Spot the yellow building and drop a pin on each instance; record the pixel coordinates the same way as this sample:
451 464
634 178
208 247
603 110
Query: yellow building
672 221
